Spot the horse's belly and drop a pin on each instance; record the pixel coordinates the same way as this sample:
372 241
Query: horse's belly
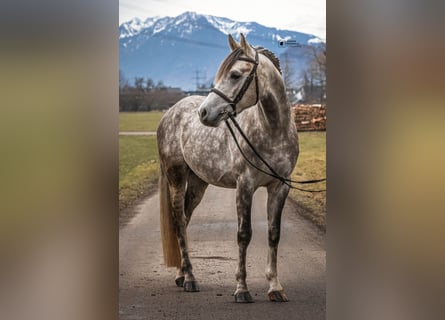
212 172
212 166
225 180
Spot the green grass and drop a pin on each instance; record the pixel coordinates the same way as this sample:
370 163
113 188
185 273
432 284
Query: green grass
139 121
312 165
138 168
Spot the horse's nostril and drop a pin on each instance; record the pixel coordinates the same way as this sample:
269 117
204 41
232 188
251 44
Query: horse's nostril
203 113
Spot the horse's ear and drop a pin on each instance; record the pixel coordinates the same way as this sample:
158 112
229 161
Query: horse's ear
243 41
232 43
245 46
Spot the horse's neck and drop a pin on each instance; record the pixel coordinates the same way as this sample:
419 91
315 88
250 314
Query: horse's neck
273 108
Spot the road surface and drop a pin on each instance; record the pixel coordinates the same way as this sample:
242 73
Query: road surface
147 288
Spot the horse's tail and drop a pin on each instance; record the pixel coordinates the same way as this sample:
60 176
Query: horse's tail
170 246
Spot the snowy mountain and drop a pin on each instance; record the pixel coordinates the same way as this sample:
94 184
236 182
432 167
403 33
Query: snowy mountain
184 50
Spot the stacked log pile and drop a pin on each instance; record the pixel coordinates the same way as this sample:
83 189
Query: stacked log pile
309 117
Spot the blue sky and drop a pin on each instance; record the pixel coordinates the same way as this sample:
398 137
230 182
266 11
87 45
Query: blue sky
307 16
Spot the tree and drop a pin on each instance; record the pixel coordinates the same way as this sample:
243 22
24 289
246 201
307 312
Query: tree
139 83
149 84
160 84
288 72
149 97
123 82
315 74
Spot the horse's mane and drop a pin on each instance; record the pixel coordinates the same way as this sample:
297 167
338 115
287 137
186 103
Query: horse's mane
269 54
235 54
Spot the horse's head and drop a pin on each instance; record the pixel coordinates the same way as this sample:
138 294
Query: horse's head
236 84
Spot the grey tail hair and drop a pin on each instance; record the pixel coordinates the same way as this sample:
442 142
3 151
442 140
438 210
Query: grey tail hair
170 246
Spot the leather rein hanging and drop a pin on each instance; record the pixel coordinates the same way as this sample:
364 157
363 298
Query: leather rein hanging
232 115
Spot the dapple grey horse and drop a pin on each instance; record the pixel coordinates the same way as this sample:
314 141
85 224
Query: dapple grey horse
196 149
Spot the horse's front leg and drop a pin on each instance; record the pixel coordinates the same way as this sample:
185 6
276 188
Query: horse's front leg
244 195
277 193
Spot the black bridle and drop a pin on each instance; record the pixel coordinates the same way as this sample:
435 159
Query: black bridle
232 115
244 87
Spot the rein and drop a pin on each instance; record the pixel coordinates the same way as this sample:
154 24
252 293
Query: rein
272 172
232 116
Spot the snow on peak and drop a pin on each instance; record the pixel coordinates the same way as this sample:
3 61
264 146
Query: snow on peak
189 14
228 26
135 26
314 40
185 19
187 22
280 38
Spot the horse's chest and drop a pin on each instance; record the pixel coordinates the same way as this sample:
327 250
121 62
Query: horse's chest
211 161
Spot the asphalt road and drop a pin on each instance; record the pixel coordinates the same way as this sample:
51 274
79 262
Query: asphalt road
147 288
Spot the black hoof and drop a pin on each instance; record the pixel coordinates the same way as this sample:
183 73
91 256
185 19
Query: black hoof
191 286
243 297
180 281
278 296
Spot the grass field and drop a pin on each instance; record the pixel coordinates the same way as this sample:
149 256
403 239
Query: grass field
138 168
138 165
311 165
139 121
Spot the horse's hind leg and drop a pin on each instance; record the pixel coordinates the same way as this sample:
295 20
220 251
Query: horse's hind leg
193 196
177 177
277 194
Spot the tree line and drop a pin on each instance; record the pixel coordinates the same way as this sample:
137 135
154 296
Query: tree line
313 83
144 95
314 77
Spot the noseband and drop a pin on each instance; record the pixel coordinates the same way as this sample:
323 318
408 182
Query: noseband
245 86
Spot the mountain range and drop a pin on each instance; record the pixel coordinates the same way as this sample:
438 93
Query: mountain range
186 51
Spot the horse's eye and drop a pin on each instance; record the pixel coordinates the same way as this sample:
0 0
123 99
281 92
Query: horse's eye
235 75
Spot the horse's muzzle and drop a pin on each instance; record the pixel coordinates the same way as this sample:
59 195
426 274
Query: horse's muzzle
203 114
209 117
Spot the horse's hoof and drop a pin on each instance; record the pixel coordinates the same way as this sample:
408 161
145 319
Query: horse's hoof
278 296
243 297
180 281
191 286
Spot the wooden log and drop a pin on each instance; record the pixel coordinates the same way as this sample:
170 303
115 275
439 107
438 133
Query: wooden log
309 117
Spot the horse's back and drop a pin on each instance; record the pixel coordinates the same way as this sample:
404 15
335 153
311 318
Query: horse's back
182 110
